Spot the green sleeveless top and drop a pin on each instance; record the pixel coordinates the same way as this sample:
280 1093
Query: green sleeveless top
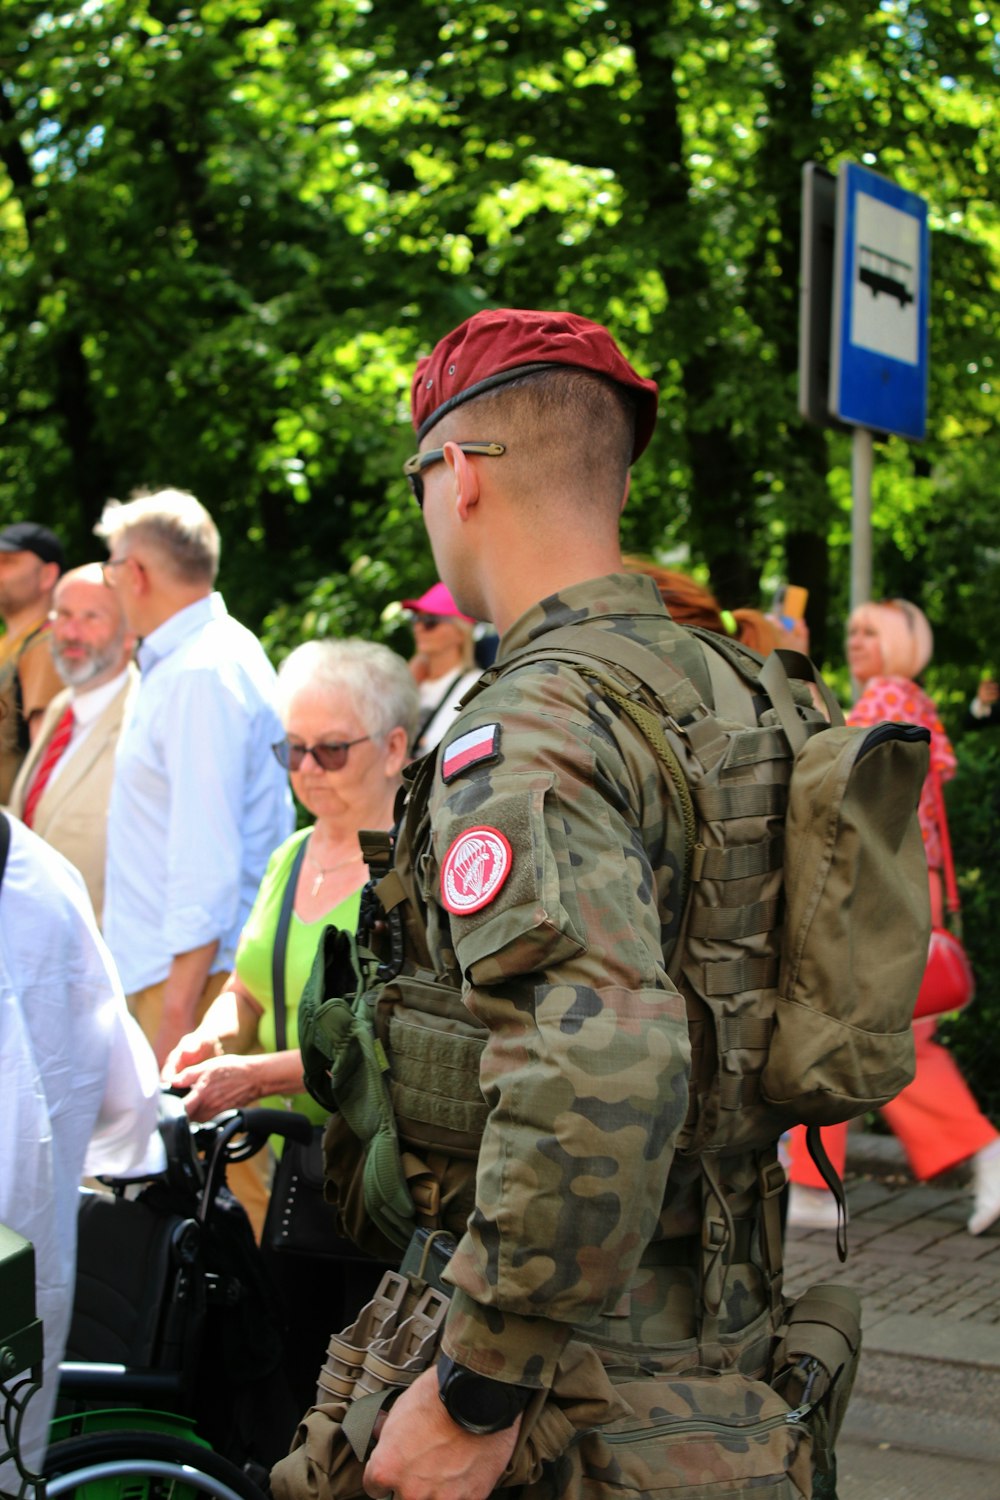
256 947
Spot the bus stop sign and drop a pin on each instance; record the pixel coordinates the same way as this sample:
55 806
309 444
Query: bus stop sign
881 298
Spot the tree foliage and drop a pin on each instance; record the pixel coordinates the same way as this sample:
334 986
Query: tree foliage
227 231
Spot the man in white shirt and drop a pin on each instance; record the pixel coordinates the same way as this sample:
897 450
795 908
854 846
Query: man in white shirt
198 801
64 786
80 1087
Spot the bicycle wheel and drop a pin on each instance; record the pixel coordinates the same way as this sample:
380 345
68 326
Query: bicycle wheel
177 1469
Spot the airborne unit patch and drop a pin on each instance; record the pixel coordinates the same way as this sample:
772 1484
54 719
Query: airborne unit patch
475 867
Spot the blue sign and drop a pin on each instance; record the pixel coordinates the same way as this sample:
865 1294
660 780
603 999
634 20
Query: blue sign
881 300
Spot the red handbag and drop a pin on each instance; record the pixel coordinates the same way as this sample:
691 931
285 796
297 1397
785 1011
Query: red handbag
948 983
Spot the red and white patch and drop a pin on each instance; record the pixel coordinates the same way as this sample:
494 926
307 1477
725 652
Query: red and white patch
469 749
474 869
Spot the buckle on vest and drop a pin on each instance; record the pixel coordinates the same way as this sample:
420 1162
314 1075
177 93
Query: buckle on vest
772 1179
714 1235
426 1195
376 851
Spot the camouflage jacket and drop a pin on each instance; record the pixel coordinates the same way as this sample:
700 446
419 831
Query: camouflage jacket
547 877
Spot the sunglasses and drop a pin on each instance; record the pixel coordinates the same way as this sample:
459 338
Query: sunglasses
429 622
332 757
415 466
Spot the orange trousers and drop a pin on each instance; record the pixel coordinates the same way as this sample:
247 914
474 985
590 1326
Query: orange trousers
935 1118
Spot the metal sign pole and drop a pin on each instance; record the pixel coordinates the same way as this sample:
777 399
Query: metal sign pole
862 461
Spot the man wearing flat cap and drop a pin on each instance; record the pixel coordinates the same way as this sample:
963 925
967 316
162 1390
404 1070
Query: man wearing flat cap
31 560
540 1102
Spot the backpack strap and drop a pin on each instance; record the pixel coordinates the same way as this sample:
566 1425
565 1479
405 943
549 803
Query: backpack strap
778 670
830 1175
591 652
607 648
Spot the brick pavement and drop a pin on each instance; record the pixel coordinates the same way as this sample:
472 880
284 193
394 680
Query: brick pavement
924 1418
927 1286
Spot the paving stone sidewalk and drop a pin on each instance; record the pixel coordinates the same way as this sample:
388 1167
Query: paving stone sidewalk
928 1287
924 1417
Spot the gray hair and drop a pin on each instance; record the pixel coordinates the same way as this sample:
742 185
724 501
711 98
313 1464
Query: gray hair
376 682
174 523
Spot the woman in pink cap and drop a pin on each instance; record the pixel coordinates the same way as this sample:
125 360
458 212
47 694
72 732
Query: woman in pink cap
936 1118
444 665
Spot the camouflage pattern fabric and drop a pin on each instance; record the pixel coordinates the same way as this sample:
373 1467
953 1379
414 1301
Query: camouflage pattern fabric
585 1063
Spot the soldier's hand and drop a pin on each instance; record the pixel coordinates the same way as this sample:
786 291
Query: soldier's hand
422 1454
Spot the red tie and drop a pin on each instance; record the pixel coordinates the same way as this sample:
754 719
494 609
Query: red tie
57 744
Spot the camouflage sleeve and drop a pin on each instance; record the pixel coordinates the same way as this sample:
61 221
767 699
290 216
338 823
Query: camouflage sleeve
585 1070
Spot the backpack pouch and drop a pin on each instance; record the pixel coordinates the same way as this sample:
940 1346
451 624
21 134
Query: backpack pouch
856 927
696 1437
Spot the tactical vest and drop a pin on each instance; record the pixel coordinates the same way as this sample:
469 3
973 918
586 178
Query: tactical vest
802 945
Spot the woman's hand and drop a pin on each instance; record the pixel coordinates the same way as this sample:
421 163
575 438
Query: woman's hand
191 1049
219 1083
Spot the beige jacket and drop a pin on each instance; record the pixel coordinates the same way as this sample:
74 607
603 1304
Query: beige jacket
72 814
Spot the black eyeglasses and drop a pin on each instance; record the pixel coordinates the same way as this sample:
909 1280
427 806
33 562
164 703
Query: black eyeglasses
429 622
415 466
332 757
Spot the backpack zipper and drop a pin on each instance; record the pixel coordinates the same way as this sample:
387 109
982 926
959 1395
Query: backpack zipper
686 1425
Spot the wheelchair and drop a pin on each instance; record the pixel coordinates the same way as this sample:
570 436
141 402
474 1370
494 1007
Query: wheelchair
172 1359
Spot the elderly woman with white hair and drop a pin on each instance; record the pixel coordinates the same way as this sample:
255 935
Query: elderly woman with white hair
936 1118
349 710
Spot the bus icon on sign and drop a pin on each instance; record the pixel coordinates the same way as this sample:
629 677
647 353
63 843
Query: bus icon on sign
885 273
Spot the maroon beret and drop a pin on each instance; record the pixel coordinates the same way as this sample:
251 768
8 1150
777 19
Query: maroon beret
501 344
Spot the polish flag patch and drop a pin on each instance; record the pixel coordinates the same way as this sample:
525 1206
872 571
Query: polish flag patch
474 870
469 749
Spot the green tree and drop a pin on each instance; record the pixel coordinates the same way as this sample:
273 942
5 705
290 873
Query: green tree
228 231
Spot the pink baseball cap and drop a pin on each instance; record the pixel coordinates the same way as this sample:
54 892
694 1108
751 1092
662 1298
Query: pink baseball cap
437 601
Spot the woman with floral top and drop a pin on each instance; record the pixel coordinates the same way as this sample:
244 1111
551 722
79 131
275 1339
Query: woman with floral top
935 1117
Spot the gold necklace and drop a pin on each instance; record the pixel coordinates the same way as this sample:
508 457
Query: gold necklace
324 871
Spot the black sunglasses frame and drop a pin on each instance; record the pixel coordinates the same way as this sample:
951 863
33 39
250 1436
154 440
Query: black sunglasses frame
414 467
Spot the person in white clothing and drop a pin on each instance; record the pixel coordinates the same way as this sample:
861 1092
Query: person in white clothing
444 665
198 802
80 1088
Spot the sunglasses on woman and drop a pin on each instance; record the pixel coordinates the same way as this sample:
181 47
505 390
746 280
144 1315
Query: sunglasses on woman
331 757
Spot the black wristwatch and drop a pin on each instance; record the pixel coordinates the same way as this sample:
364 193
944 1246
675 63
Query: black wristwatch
477 1403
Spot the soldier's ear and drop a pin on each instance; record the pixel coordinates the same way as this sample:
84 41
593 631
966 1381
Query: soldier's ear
466 480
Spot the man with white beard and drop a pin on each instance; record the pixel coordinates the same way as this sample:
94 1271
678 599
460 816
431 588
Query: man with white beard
63 787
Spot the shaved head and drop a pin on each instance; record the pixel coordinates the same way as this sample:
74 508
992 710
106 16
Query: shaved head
567 432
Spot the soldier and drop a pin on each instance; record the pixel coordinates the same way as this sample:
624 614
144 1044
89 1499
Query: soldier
549 879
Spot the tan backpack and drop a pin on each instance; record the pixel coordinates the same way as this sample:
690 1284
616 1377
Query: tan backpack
805 925
806 912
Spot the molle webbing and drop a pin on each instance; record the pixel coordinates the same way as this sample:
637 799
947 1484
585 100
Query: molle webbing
730 777
435 1078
